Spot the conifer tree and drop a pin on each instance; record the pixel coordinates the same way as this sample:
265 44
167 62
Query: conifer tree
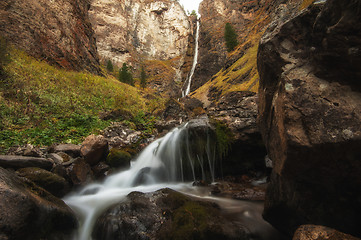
230 37
110 66
143 78
125 75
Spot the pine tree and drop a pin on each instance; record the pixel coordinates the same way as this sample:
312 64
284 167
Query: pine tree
125 75
230 37
110 67
143 78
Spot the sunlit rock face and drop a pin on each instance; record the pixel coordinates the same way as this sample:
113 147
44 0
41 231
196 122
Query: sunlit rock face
139 30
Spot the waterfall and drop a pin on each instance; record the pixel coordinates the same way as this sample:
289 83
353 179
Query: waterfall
184 154
188 89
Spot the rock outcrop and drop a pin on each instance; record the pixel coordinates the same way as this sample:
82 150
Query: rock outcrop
166 214
139 30
56 31
314 232
29 212
310 115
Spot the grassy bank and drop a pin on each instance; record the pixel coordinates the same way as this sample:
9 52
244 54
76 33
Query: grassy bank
41 104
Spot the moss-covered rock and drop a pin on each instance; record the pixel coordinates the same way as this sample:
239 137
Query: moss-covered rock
119 158
166 215
51 182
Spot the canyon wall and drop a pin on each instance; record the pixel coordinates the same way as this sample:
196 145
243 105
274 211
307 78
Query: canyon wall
56 31
128 31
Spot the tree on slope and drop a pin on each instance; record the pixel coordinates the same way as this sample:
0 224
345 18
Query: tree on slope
230 37
143 78
125 75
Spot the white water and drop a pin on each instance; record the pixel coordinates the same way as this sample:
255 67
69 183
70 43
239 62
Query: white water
164 163
195 61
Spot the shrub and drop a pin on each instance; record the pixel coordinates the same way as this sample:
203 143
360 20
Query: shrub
230 37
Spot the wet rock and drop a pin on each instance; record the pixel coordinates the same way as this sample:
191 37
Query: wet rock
310 115
25 207
51 182
235 117
174 110
94 149
57 31
314 232
70 149
13 161
165 214
80 172
118 158
100 170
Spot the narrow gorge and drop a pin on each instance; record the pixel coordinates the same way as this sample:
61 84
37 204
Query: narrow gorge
139 119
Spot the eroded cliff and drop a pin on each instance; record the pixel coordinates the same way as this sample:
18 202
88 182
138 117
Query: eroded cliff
56 31
140 30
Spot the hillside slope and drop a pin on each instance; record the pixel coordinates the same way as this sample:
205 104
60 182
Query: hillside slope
41 104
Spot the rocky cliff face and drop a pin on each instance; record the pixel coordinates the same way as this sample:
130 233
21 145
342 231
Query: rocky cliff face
128 31
56 31
310 114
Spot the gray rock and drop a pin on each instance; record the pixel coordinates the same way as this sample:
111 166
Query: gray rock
13 161
70 149
29 212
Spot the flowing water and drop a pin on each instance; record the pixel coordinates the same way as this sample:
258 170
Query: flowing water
195 59
167 162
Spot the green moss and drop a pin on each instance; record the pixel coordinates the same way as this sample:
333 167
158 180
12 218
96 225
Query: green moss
224 138
118 158
190 219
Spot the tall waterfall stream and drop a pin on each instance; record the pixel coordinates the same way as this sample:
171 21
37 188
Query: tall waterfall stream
167 162
195 60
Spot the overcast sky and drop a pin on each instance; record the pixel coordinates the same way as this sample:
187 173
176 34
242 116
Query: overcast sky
190 4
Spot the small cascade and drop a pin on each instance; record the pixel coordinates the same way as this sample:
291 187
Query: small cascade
195 60
186 153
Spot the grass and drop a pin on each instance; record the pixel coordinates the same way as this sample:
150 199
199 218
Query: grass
41 104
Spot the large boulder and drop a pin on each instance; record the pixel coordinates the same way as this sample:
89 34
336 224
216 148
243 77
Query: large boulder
166 214
29 212
51 182
310 117
94 149
235 116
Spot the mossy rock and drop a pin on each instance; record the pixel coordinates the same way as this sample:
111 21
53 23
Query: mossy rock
119 158
194 220
51 182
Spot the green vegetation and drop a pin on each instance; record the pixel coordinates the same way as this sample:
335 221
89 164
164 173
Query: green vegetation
230 37
118 158
41 104
224 138
110 66
143 78
193 13
125 75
